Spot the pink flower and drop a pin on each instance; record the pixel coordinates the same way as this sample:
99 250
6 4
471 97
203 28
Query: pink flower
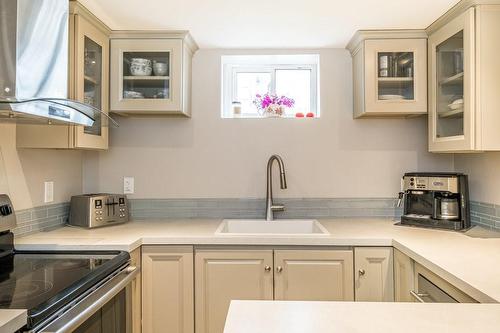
262 102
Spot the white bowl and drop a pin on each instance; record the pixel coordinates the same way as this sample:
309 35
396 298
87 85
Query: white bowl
160 68
132 94
140 67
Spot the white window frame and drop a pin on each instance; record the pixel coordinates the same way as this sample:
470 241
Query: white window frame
232 65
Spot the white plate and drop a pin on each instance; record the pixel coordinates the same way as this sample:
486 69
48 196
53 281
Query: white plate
390 97
455 106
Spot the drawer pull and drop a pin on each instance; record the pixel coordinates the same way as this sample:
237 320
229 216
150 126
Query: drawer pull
418 296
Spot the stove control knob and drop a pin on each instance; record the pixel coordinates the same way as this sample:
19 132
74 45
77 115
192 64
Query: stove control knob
5 210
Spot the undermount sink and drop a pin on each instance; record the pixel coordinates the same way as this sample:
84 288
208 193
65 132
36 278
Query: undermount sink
271 228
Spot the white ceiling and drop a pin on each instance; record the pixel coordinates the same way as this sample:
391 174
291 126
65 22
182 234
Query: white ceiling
269 23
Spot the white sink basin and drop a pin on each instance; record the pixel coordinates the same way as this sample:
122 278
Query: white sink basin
271 228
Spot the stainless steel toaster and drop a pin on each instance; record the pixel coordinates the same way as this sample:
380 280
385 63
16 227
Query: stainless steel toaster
98 210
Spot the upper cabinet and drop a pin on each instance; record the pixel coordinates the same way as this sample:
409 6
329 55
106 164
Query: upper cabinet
151 73
464 72
88 83
389 73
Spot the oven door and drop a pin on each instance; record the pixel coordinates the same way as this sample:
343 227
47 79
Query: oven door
107 309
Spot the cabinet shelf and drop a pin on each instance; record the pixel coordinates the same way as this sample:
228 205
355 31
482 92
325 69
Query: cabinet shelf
455 79
395 79
146 78
89 79
458 113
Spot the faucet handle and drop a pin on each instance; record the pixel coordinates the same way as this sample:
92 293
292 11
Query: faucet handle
278 207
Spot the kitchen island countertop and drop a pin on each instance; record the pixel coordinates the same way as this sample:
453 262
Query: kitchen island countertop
360 317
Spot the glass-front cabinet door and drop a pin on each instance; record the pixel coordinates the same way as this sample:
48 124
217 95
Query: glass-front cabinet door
395 76
451 94
146 75
91 81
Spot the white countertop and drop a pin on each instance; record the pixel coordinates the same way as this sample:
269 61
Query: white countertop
12 320
360 317
471 264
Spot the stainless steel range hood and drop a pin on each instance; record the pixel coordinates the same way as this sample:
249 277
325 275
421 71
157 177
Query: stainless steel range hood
34 58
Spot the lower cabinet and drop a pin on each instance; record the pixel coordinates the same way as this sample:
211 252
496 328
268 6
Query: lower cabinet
167 289
374 277
135 260
403 277
224 275
313 275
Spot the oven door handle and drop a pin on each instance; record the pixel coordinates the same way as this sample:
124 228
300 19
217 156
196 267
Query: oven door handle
418 296
83 310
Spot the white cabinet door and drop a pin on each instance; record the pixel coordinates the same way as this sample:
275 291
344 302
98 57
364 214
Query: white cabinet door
135 260
225 275
167 281
403 277
395 77
313 275
374 277
146 75
452 85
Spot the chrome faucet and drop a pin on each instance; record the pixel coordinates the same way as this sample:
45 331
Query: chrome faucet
270 206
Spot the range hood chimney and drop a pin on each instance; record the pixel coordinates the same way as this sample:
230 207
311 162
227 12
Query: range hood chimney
34 60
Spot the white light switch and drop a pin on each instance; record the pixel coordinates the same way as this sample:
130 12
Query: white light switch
49 192
128 185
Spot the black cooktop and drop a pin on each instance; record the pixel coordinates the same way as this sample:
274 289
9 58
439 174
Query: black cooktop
44 281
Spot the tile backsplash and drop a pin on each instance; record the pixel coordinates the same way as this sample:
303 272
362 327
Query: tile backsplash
52 216
41 218
485 214
254 208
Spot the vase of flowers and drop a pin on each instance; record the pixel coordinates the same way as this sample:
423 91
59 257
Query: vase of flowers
270 105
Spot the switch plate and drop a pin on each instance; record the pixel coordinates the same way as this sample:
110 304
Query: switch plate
49 192
128 185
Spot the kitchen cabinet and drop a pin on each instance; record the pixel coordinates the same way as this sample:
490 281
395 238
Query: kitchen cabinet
374 277
151 73
313 275
222 275
463 80
88 83
135 260
225 274
403 277
431 288
167 289
389 73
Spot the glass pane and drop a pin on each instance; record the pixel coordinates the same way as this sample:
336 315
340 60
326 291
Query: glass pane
296 84
247 86
395 76
92 72
146 75
450 87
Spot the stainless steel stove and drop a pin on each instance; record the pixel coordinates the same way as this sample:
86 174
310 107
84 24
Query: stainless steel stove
63 291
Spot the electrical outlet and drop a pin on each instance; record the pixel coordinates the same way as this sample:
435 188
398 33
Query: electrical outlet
49 192
128 185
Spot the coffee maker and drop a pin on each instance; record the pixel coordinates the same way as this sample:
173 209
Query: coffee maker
435 200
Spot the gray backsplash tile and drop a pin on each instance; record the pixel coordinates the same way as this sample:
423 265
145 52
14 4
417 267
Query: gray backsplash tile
40 218
52 216
254 208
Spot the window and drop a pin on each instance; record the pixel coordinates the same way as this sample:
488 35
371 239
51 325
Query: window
293 76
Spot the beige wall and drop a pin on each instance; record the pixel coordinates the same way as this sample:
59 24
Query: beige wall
484 175
206 156
23 172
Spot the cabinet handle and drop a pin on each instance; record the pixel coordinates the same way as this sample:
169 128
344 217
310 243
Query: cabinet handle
279 269
267 268
361 272
418 296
